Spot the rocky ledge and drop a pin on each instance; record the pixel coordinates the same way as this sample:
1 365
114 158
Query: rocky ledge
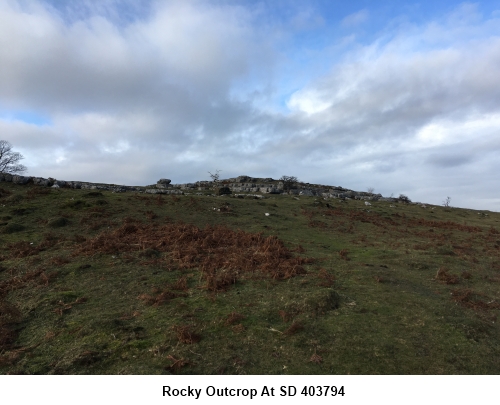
240 186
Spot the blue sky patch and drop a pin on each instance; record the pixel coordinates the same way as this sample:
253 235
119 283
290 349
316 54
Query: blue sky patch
29 117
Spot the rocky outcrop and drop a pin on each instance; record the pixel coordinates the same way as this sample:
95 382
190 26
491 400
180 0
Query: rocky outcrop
164 183
236 186
162 191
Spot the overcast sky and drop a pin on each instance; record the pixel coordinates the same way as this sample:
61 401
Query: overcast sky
400 96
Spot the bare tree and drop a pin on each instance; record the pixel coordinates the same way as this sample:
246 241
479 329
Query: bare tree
9 159
288 182
215 177
370 190
446 202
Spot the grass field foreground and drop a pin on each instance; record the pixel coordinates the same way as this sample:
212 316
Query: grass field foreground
125 283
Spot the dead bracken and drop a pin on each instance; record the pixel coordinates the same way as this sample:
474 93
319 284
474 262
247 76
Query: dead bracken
222 255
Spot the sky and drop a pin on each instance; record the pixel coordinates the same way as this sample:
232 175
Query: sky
402 97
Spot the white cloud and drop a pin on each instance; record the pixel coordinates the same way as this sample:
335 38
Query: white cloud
355 19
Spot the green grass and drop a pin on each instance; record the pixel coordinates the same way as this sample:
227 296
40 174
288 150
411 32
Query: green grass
85 288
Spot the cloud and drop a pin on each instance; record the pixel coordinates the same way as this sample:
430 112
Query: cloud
179 51
355 19
307 19
181 88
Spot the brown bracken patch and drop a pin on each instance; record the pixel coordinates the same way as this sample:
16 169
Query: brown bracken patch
471 299
221 254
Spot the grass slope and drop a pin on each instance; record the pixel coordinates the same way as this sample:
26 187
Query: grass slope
102 283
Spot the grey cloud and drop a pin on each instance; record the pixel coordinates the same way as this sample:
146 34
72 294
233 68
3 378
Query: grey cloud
448 161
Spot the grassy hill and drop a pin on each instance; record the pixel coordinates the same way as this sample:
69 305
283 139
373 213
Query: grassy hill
102 283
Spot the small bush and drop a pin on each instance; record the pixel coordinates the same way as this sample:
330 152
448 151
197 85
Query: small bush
404 199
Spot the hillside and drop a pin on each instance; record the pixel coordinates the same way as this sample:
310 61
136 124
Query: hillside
97 281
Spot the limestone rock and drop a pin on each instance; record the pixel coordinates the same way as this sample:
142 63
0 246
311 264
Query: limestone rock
75 184
40 181
162 191
20 179
60 183
307 193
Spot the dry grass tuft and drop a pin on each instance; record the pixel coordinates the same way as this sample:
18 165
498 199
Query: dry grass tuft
20 281
59 261
180 284
62 306
327 280
293 329
162 296
466 275
150 215
186 335
285 317
343 254
177 364
22 249
316 358
232 318
444 276
238 328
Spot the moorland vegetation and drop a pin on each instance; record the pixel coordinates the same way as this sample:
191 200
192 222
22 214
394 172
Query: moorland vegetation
95 282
